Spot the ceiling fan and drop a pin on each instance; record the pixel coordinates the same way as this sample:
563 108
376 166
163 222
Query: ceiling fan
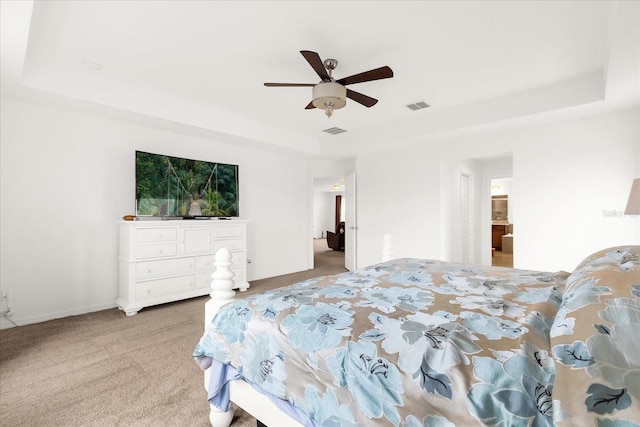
331 94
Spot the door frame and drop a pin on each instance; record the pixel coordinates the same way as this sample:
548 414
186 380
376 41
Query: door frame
351 223
311 236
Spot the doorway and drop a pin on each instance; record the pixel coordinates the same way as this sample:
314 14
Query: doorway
501 222
328 211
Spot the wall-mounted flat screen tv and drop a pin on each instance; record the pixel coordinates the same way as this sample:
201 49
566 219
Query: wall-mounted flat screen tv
177 187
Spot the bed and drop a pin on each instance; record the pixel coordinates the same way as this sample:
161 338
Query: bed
425 343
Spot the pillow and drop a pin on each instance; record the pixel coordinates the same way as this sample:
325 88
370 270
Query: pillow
622 256
595 341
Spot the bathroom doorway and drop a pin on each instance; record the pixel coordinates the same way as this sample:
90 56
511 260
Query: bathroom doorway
501 223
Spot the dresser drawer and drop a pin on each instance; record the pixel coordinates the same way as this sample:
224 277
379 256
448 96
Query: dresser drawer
206 262
196 240
203 280
167 267
228 231
144 235
238 274
231 244
155 250
237 259
155 288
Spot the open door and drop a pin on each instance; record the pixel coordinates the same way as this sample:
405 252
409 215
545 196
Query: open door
351 227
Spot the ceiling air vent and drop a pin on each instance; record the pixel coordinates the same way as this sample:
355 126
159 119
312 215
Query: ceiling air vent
334 130
417 106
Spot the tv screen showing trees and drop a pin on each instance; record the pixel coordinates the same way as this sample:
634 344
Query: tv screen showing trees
173 186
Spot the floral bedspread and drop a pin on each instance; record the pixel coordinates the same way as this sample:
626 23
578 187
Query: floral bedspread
595 340
426 343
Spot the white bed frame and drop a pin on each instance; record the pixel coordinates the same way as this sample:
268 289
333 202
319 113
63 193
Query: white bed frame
241 393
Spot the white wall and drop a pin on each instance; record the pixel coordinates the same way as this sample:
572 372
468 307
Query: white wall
398 192
564 174
324 203
501 186
67 178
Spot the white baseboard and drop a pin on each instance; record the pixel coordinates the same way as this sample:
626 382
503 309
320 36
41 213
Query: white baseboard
21 321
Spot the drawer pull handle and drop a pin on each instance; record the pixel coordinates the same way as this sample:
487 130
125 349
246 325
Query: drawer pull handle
149 270
147 291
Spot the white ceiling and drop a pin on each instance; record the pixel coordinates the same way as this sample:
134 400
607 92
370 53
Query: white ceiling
199 66
333 184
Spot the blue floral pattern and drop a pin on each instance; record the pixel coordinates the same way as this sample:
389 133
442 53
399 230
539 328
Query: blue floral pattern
373 381
595 342
263 363
517 391
319 327
326 411
423 343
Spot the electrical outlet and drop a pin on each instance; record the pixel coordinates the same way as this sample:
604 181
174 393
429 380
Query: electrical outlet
5 309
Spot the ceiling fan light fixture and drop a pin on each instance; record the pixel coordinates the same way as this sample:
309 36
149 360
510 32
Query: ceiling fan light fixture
329 96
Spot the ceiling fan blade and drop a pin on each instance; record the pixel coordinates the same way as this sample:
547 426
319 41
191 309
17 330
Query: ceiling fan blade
289 84
316 63
310 106
365 100
377 74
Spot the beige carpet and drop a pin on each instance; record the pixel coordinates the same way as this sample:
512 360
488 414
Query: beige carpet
106 369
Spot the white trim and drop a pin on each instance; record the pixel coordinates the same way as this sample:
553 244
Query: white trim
22 321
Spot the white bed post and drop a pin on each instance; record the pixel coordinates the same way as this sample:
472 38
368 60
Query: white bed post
221 293
387 248
221 286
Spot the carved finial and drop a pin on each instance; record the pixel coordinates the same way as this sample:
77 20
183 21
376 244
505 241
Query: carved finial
222 283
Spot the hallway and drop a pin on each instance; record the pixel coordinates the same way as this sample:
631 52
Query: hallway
325 258
501 259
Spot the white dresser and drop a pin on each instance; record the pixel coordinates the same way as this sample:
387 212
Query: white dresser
164 261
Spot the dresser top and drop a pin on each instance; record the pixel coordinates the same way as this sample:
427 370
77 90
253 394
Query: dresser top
156 223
